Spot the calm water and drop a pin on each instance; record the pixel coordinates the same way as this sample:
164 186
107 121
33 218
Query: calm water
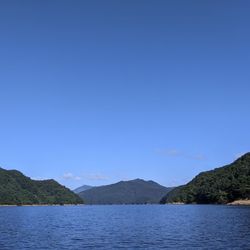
128 227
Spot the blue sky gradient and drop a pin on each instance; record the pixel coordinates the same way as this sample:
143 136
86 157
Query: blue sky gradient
92 92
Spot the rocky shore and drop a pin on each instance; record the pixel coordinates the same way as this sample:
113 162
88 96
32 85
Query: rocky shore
240 203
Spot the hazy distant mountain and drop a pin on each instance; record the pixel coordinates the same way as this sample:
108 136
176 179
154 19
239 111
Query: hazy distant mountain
125 192
17 189
82 188
221 185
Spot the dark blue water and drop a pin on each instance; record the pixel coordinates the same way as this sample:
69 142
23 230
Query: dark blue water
127 227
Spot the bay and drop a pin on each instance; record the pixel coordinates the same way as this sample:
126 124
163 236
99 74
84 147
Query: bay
125 227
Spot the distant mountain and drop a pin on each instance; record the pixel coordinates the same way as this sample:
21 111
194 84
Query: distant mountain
221 185
82 188
125 192
17 189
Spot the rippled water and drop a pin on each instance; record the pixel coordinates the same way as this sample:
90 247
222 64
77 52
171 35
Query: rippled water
128 227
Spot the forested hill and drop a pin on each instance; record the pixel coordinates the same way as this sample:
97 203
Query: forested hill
17 189
221 185
135 191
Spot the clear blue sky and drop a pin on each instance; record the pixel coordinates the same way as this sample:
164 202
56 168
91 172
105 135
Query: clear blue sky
92 92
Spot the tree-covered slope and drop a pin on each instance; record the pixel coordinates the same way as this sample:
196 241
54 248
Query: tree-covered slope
125 192
17 189
221 185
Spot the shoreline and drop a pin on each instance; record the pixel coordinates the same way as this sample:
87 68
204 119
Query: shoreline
40 205
176 203
234 203
239 203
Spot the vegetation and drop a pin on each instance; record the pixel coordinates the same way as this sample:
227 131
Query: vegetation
219 186
17 189
125 192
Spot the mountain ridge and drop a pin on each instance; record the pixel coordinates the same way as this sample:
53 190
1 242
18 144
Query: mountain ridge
82 188
137 191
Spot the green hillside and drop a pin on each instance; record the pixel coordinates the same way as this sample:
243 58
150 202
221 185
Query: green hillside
17 189
126 192
219 186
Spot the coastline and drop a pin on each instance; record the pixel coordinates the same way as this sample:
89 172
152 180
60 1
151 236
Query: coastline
176 203
233 203
239 203
40 205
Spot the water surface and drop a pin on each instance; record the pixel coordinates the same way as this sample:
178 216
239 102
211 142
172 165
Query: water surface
125 227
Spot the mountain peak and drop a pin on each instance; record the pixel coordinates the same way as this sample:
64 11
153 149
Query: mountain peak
137 180
137 191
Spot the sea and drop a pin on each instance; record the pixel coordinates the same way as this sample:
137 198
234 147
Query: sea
125 227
